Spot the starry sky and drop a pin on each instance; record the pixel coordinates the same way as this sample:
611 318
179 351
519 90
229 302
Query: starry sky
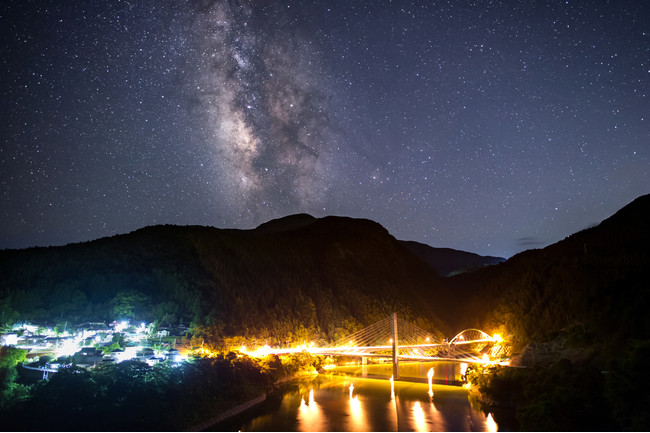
486 126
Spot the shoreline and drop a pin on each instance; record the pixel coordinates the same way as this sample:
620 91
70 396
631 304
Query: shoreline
246 405
229 413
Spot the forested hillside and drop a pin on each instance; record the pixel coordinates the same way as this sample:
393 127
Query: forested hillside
290 279
577 314
592 287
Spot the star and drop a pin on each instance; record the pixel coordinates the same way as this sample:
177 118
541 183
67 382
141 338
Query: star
465 126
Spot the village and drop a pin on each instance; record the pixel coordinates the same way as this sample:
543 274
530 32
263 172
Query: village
91 344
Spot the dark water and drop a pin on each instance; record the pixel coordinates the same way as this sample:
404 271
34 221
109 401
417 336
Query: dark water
346 403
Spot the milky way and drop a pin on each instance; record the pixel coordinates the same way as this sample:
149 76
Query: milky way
263 102
491 127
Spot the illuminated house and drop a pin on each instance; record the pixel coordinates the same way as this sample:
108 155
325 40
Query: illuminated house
87 357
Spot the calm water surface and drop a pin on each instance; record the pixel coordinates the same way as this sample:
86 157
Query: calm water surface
347 403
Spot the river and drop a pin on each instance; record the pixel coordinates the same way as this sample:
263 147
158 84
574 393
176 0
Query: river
347 401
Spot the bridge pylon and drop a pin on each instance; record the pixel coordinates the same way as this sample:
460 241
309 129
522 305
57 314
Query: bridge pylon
395 348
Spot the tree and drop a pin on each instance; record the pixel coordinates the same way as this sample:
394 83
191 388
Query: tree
67 400
10 357
130 304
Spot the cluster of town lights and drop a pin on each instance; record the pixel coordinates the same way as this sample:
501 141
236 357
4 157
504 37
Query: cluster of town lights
70 341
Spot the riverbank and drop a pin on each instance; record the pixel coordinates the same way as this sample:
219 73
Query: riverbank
563 396
229 413
243 407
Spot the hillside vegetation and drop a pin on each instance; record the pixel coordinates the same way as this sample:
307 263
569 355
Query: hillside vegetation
297 278
591 287
577 313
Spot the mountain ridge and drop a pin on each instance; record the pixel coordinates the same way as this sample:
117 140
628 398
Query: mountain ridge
591 283
449 261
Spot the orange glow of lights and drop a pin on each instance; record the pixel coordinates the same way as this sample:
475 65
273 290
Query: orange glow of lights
491 425
357 421
497 338
485 358
419 418
260 352
310 417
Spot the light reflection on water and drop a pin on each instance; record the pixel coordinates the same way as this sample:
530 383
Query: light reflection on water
310 417
419 419
335 403
357 415
491 424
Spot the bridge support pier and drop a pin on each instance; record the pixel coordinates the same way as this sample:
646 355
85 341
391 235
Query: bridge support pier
395 348
364 366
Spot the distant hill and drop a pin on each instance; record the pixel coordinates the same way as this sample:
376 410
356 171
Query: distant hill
290 279
447 261
444 261
288 223
592 287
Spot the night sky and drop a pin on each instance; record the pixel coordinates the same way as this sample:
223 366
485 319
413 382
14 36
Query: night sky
486 126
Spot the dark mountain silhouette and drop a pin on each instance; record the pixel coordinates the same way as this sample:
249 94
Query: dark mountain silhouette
444 261
290 222
292 278
593 287
447 261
